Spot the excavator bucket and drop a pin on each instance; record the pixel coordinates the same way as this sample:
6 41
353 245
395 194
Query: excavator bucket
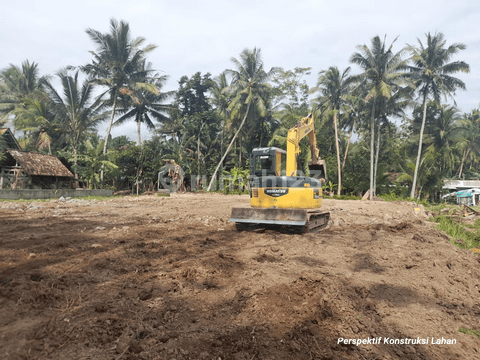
318 170
250 218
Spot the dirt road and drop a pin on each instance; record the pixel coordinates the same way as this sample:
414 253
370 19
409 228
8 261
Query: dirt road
169 278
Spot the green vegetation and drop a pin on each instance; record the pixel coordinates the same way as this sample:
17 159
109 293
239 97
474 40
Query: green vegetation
211 123
88 198
343 197
457 231
470 331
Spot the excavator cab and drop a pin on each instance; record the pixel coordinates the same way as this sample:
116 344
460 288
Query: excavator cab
270 161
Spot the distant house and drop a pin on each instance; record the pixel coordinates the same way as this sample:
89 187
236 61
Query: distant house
30 170
463 191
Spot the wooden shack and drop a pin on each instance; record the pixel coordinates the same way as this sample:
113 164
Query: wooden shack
30 170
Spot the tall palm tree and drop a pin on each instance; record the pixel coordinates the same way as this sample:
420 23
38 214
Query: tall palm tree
18 83
221 98
75 109
470 137
252 90
351 118
334 88
117 64
383 71
145 105
431 73
250 86
444 132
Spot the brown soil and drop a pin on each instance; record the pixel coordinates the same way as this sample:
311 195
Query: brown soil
170 278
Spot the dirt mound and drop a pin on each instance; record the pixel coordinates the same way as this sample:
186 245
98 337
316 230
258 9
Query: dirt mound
169 278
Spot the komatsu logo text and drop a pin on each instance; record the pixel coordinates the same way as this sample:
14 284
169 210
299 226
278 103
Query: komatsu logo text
276 192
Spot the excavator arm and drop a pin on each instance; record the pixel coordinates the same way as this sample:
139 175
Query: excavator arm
303 128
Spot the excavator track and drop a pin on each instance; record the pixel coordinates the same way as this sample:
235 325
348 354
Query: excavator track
296 221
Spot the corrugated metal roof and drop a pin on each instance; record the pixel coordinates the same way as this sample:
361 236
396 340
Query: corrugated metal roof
40 164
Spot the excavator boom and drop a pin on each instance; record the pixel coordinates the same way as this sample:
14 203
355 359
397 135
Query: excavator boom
303 128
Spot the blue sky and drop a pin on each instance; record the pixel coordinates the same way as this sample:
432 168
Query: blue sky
203 35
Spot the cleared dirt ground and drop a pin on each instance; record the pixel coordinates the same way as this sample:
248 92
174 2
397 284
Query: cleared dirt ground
169 278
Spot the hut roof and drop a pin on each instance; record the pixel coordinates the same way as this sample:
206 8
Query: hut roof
12 143
40 164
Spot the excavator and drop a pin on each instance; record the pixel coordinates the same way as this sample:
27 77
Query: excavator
279 198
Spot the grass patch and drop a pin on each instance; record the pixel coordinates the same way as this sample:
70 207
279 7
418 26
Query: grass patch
470 332
163 195
470 239
393 197
88 198
24 200
343 197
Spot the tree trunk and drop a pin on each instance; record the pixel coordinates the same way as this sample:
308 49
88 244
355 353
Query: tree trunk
376 161
228 149
139 123
463 161
109 128
417 164
75 160
261 132
240 152
372 142
339 188
346 150
198 160
221 141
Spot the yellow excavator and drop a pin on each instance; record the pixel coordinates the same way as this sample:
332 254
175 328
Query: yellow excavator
278 197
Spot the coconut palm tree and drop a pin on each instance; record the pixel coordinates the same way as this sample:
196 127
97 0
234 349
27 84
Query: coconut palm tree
383 71
445 132
351 118
117 64
252 91
431 73
470 137
75 109
221 97
334 88
145 106
18 83
38 123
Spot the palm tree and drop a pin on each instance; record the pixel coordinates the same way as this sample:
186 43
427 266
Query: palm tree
444 132
470 137
351 118
431 74
334 88
221 98
75 110
252 91
383 72
145 105
36 119
16 84
117 64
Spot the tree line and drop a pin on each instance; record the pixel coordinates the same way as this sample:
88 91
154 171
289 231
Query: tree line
387 128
